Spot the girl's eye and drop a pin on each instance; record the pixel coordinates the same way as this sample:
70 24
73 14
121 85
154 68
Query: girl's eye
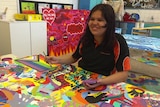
91 19
100 20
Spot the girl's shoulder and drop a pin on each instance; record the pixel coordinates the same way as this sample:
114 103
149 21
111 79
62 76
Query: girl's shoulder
119 37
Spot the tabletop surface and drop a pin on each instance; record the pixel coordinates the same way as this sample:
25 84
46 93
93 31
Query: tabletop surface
61 86
143 42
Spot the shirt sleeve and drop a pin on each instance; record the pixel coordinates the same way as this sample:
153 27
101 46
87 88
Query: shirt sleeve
77 54
121 51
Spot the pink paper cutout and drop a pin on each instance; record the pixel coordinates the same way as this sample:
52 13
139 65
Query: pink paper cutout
49 15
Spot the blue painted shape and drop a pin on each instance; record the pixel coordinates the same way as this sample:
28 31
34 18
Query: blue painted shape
143 43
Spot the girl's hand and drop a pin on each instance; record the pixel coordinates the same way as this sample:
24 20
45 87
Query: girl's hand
91 83
51 60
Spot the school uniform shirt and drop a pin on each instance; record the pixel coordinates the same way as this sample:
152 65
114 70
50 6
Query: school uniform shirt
94 60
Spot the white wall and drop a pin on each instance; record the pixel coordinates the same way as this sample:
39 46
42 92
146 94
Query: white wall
13 5
146 15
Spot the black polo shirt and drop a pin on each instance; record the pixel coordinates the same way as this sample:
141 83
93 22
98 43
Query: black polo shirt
93 59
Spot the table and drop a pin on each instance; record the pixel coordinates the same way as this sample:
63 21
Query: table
23 86
144 31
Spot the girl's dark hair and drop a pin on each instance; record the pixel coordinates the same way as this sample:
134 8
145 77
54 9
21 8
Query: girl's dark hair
109 39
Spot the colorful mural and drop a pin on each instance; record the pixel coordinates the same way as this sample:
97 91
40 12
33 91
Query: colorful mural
61 86
150 58
144 81
64 29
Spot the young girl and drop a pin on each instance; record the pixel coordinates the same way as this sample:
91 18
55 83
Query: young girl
100 49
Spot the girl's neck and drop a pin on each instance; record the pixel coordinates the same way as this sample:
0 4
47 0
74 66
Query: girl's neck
98 39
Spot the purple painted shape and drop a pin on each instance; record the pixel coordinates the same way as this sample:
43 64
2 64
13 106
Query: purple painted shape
90 81
106 105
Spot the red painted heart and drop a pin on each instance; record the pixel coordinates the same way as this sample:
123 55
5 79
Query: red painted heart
49 15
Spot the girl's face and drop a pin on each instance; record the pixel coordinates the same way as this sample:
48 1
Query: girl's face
97 24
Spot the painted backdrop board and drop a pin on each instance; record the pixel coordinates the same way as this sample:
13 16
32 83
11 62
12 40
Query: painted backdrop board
64 29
